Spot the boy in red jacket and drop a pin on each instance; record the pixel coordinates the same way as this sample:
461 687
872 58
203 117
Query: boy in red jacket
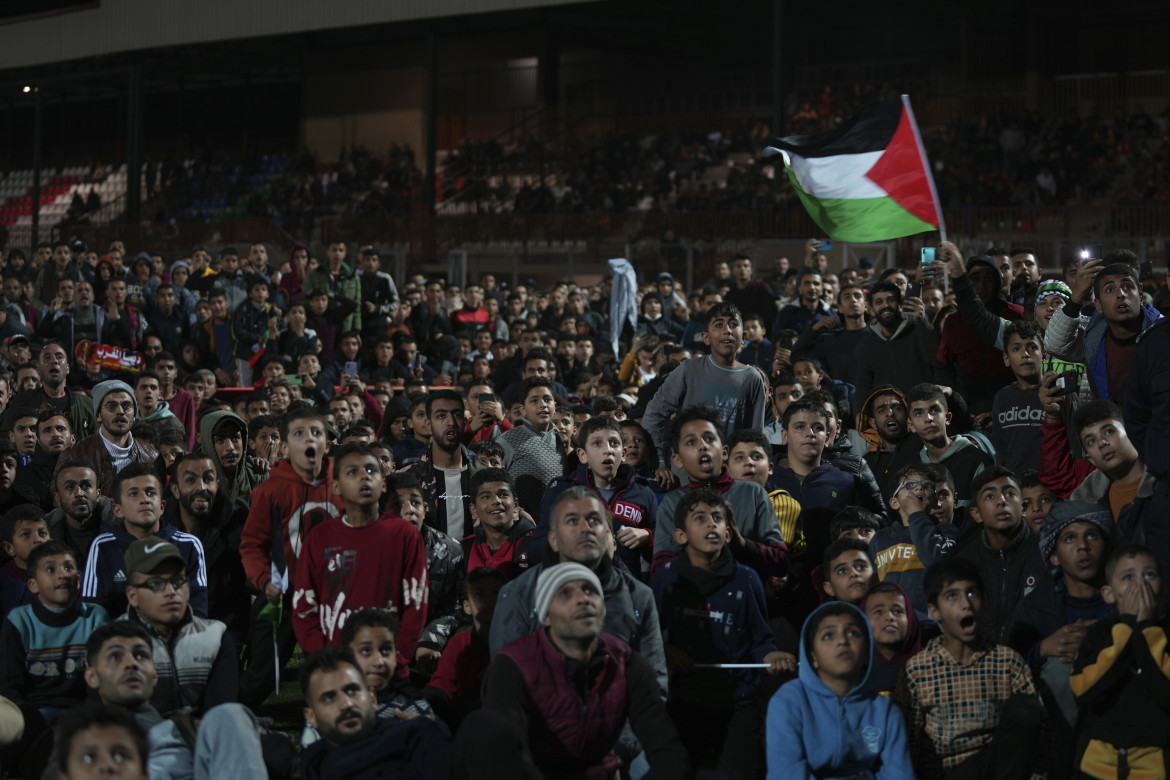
297 496
362 559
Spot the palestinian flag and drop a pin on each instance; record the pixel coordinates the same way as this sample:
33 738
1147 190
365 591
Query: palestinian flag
867 180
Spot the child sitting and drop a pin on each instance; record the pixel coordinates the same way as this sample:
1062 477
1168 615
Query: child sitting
848 572
455 689
42 644
502 537
970 705
372 635
712 611
897 634
628 496
830 722
1119 675
21 530
699 452
1038 499
903 551
445 569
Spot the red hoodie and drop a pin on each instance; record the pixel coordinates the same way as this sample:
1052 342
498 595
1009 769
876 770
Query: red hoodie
284 509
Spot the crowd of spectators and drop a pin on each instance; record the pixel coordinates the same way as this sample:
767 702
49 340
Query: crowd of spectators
802 519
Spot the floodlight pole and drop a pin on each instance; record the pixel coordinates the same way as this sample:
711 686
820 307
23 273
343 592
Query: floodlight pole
777 68
36 194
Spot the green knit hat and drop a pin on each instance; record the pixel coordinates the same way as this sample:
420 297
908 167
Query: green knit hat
1052 287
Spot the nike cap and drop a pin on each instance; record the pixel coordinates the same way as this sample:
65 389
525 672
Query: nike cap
147 554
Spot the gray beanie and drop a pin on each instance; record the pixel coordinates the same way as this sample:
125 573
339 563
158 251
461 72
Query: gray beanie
1065 513
553 578
102 389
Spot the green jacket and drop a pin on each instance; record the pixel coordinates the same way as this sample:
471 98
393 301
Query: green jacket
238 486
347 284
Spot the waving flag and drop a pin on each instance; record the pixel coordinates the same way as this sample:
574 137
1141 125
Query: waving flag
867 180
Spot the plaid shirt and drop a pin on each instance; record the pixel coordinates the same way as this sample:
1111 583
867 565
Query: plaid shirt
952 710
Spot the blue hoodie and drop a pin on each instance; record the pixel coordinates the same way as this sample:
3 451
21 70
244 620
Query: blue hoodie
813 734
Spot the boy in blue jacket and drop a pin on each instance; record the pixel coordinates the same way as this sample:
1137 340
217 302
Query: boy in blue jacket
830 723
712 611
628 496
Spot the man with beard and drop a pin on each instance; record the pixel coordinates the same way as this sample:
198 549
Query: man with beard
1104 342
222 437
444 472
884 426
900 347
52 367
203 510
120 669
581 531
533 720
113 447
342 707
82 510
54 436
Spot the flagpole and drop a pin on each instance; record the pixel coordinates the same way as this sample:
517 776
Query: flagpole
942 225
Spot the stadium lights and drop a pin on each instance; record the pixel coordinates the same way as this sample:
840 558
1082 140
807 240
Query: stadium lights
28 88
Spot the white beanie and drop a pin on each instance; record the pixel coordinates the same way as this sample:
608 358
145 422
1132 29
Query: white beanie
554 578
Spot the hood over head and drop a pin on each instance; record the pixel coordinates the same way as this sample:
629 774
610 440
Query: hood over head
809 676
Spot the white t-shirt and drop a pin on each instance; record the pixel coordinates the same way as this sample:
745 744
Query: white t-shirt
453 494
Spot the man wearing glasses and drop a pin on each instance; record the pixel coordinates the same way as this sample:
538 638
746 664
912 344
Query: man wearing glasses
196 659
52 364
113 448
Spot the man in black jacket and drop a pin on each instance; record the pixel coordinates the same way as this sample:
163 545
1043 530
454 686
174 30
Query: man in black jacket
201 508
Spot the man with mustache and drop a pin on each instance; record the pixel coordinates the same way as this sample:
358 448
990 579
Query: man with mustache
581 531
899 348
52 365
81 508
203 510
120 669
354 743
543 712
223 436
54 435
113 447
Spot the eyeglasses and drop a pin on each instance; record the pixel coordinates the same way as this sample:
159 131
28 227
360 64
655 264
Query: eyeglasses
159 584
914 484
113 406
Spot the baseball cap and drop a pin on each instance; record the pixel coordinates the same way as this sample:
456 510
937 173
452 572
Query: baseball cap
147 554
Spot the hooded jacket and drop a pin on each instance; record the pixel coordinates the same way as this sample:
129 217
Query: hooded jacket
885 673
238 486
882 462
283 510
811 733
